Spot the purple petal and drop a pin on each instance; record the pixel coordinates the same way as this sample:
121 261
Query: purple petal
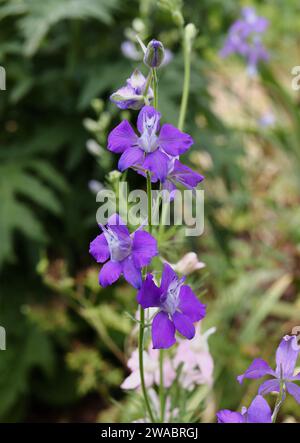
258 368
173 141
126 98
295 377
118 226
163 331
148 115
286 356
157 163
109 273
259 411
184 325
99 249
121 138
149 294
168 274
186 176
227 416
294 390
144 247
269 386
190 305
130 157
132 274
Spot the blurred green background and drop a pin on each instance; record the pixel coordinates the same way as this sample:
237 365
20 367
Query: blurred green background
66 337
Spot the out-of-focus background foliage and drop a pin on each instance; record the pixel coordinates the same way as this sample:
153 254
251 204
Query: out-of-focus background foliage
66 337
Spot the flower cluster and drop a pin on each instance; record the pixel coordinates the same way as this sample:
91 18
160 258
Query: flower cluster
283 381
244 38
191 363
154 153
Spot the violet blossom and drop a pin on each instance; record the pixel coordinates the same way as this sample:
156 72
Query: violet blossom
178 173
286 359
133 94
152 149
258 412
178 306
122 252
244 38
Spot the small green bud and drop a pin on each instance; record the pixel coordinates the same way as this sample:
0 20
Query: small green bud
190 31
178 18
154 55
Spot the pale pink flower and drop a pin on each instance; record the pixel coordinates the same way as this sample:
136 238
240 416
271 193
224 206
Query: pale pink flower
151 370
196 360
188 264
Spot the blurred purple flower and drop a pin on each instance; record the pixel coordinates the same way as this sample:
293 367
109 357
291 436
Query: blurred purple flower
123 253
151 150
267 120
132 94
286 359
178 307
258 412
244 38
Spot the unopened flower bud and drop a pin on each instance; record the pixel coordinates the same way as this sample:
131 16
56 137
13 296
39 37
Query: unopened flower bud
154 55
190 31
178 18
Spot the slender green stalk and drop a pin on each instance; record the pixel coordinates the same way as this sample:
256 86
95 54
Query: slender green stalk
149 81
279 401
149 194
186 82
155 87
281 397
141 363
161 385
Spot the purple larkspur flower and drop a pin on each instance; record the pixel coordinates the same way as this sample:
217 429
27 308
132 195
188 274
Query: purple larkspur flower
258 412
152 149
178 173
122 252
244 38
286 359
132 94
179 308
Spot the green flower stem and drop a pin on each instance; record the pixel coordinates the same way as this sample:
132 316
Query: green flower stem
187 50
161 385
141 363
149 195
149 81
155 87
149 192
142 314
279 401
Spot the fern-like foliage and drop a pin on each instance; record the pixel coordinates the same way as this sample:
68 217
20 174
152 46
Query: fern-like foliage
40 16
23 182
